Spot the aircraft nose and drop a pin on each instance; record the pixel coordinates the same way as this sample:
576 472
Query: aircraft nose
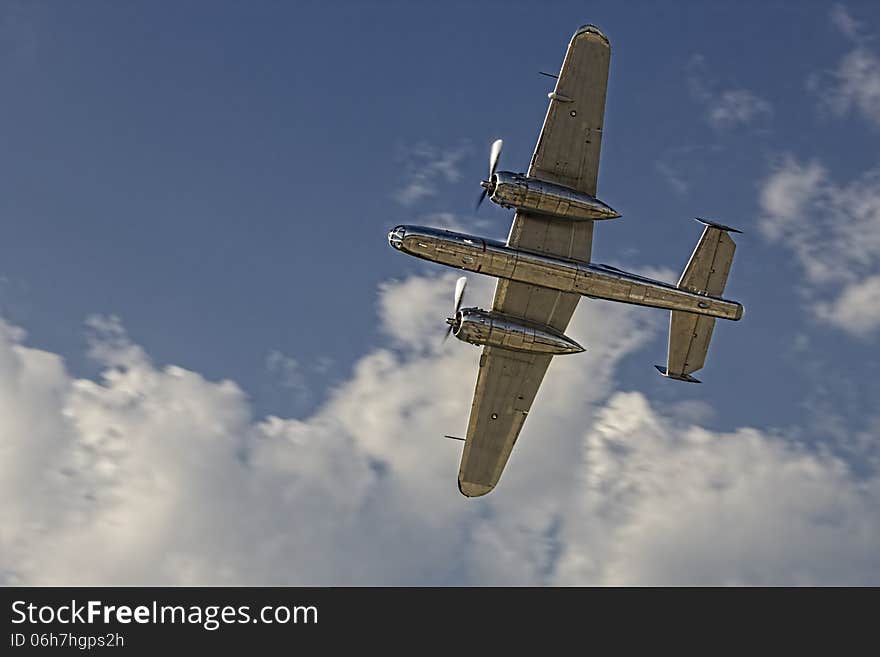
395 236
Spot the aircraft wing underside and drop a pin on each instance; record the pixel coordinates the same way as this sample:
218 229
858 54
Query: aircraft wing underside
567 153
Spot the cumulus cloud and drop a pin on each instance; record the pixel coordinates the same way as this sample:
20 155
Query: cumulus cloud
745 508
834 232
156 475
725 108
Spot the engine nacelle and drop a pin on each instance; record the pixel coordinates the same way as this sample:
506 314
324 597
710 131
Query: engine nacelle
514 190
482 327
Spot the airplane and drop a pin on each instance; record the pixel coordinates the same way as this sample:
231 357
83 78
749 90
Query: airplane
544 268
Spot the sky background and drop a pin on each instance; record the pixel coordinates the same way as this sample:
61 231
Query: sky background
214 369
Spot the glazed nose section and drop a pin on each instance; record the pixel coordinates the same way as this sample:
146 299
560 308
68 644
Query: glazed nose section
395 237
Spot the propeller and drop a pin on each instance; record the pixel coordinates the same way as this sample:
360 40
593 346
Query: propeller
494 156
460 285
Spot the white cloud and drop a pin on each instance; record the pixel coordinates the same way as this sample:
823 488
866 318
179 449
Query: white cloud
156 475
737 107
109 343
857 309
845 22
668 503
725 108
672 177
289 374
834 232
454 222
854 86
427 167
785 195
698 77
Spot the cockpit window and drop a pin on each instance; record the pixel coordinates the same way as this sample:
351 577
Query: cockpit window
395 237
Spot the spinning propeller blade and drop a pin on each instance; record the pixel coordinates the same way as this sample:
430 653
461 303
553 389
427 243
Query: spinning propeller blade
460 286
494 157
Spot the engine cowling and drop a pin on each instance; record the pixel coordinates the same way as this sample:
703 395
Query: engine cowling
483 327
514 190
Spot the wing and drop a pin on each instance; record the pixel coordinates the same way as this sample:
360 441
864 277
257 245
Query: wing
567 153
506 385
568 148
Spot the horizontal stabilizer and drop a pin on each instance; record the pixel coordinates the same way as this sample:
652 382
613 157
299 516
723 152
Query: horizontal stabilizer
689 336
706 273
707 270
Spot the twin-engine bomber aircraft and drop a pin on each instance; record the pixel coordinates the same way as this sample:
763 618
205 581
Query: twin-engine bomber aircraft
544 268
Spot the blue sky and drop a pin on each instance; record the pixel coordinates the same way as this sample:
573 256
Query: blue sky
220 177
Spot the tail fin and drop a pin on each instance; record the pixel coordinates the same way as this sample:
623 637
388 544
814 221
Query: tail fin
706 273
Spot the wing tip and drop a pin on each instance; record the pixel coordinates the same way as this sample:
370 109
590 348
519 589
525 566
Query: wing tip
473 489
589 28
687 378
715 224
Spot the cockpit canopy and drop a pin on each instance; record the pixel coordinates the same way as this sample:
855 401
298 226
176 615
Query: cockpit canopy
395 236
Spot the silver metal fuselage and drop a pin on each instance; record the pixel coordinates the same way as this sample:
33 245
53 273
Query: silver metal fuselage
494 258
